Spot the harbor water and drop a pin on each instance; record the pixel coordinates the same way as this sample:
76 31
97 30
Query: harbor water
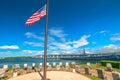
21 61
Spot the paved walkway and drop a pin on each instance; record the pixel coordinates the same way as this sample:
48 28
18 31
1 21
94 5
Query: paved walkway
53 75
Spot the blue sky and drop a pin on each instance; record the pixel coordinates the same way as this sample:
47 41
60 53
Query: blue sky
73 25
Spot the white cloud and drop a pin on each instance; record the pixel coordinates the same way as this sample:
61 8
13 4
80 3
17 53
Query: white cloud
27 51
69 47
58 33
95 33
87 52
81 42
61 45
32 35
8 52
54 52
52 47
39 52
9 47
66 52
62 52
51 39
94 43
32 52
115 37
102 32
111 48
33 43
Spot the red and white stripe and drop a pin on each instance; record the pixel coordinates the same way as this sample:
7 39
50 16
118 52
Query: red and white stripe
35 17
43 13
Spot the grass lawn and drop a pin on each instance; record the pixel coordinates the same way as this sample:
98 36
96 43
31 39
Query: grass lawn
4 79
93 66
92 77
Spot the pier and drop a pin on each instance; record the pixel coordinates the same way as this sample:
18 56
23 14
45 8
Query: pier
100 56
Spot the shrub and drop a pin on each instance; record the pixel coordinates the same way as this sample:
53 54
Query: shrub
115 64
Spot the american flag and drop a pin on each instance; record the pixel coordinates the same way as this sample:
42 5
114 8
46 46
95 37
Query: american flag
36 16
